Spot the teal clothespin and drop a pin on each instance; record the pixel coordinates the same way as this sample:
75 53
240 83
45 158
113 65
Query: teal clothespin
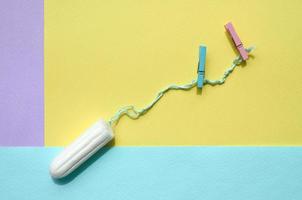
201 66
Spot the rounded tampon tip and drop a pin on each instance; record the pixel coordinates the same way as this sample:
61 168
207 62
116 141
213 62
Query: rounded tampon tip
55 171
94 138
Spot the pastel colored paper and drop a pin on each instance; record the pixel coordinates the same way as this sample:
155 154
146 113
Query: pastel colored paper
21 73
101 56
209 173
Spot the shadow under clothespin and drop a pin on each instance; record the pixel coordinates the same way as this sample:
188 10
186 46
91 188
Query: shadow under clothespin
201 68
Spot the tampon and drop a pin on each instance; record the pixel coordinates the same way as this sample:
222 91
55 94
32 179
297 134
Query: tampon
94 138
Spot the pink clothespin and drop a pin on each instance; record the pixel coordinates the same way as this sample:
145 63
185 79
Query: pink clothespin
230 28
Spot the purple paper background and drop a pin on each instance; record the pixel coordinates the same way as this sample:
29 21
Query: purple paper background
21 73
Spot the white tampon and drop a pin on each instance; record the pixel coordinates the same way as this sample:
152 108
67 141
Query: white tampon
81 149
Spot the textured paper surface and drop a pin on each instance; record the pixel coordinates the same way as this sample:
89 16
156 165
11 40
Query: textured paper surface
21 73
101 55
166 173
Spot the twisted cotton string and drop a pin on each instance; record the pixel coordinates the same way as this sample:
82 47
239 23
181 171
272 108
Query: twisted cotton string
135 113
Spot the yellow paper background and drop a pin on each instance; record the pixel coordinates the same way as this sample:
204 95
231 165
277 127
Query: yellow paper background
102 55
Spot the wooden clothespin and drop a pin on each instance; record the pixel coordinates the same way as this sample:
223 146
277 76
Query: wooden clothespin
230 29
201 66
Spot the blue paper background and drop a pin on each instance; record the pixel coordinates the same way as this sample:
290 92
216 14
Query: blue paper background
207 173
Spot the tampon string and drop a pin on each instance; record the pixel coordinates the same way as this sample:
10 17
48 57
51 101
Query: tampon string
134 113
